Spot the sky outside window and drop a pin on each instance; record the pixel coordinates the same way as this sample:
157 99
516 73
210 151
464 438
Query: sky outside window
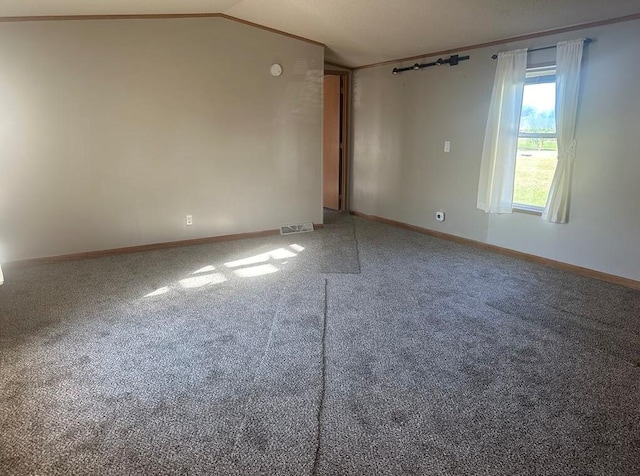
538 108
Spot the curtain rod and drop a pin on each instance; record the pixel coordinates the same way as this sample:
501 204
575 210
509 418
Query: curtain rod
452 60
586 42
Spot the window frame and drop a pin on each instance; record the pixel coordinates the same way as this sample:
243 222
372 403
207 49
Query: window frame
540 74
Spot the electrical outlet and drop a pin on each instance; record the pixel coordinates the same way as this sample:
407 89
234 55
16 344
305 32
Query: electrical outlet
447 146
440 216
189 220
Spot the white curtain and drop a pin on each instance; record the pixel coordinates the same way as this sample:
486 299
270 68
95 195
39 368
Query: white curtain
568 61
498 167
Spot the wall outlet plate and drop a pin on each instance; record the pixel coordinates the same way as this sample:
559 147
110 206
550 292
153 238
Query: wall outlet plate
440 216
189 220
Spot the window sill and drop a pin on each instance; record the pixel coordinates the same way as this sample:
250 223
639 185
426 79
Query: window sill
527 209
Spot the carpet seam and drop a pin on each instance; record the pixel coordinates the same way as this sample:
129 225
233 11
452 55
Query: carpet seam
323 386
572 339
357 246
249 399
355 239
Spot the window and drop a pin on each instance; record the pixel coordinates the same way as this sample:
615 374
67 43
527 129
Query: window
537 153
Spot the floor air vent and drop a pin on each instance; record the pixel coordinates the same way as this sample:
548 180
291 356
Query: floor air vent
302 228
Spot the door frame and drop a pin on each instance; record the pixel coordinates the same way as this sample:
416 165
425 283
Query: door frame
345 101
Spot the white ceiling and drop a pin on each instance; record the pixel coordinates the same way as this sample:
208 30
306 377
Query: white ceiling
360 32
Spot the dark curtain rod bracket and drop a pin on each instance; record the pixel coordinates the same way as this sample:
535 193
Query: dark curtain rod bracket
586 42
451 61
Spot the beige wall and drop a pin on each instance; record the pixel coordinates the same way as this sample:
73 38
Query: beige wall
332 67
113 131
401 172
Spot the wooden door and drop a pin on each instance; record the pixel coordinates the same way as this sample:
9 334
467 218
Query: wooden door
331 142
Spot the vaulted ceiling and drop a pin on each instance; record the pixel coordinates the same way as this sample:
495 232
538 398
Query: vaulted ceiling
360 32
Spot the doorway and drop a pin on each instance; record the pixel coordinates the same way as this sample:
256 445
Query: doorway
335 143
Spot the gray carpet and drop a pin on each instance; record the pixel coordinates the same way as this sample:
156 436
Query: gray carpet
339 245
356 349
